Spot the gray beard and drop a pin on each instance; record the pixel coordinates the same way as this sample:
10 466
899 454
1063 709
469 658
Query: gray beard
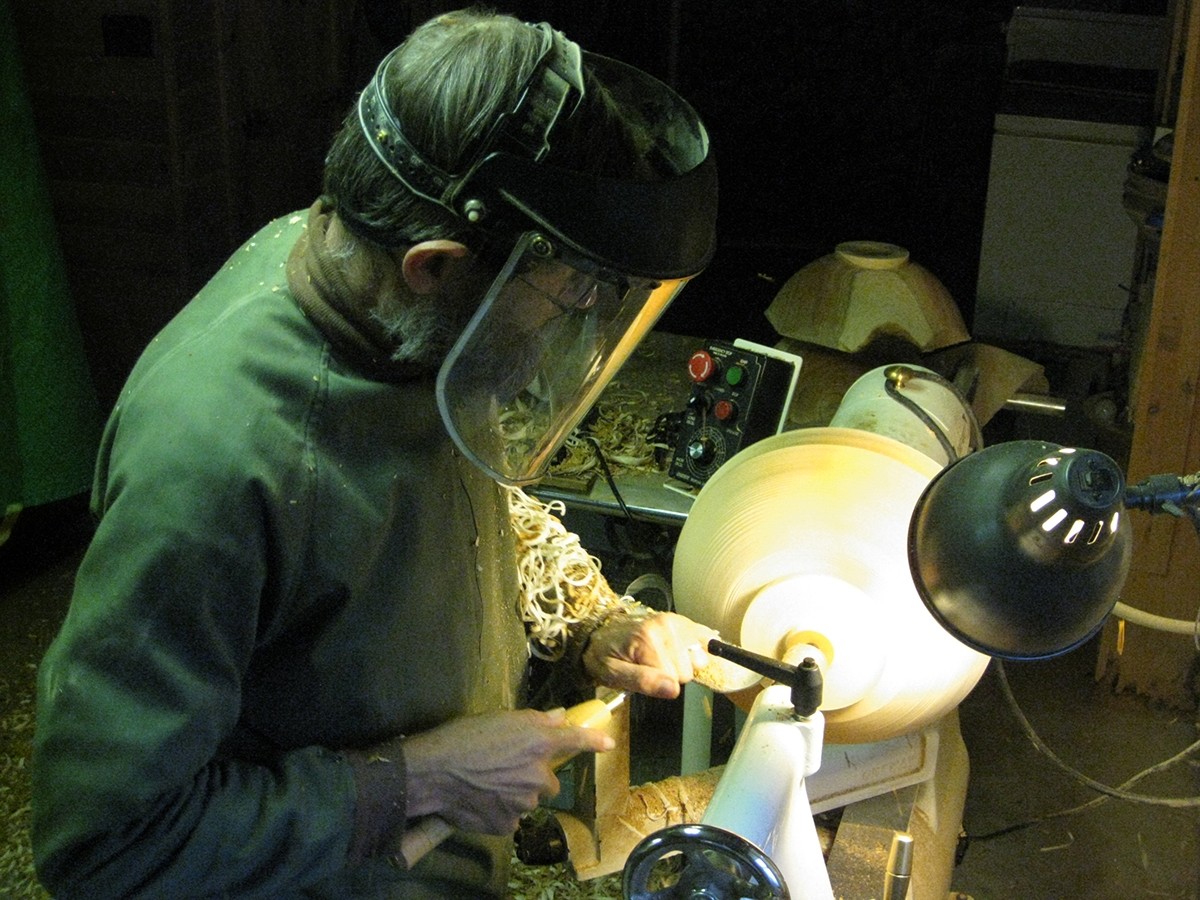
420 331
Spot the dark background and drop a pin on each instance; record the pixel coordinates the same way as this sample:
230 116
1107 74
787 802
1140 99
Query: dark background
172 130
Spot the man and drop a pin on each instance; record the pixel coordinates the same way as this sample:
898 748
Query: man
295 632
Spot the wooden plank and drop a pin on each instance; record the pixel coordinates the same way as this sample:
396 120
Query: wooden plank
111 162
192 18
56 71
1165 573
114 118
117 247
74 29
198 109
140 206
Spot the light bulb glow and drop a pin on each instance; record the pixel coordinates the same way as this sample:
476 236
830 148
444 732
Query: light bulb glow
1054 521
1039 502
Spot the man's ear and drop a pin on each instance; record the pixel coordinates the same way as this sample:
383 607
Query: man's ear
426 264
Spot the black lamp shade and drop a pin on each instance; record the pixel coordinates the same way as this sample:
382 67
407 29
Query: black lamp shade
1021 549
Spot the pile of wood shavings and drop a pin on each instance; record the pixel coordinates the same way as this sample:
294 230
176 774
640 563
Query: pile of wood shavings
622 430
647 809
17 878
558 882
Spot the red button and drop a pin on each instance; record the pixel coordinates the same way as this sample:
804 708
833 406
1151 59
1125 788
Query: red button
724 410
701 366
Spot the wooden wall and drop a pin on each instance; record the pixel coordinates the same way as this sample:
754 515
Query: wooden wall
172 129
161 125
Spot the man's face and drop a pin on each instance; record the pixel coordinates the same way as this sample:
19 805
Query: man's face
425 326
552 289
550 332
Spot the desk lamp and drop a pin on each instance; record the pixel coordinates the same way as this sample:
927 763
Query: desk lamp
1021 549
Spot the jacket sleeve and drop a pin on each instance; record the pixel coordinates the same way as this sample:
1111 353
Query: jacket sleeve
133 796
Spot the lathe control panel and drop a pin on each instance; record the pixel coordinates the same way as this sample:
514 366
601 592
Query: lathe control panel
740 394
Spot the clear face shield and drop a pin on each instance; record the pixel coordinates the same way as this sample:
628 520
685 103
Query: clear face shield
550 334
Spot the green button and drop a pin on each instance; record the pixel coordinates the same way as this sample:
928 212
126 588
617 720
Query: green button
733 375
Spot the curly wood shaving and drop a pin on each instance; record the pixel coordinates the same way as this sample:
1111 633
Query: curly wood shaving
561 585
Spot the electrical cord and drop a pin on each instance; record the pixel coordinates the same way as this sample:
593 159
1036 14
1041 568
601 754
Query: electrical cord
1177 496
1185 509
608 477
894 380
1119 793
633 524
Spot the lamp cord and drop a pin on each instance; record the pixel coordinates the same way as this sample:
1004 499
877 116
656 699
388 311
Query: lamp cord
1186 509
1107 792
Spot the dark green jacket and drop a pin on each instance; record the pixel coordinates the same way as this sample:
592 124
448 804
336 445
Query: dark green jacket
290 560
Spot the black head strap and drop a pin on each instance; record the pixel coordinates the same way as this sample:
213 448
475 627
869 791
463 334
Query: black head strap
552 92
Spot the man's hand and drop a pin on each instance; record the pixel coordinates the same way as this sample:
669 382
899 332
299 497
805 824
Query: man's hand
651 656
482 773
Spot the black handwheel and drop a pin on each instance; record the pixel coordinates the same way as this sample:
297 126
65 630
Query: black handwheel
700 862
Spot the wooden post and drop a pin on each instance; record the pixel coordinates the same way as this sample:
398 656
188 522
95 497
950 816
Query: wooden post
1165 574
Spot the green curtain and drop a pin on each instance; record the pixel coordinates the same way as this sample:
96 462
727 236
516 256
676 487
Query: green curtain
49 415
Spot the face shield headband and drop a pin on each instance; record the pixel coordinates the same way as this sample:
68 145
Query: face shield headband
659 221
554 88
550 334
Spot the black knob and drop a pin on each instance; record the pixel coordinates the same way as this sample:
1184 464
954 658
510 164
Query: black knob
805 679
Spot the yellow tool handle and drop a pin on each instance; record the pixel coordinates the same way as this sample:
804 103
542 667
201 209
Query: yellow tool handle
593 713
430 831
588 714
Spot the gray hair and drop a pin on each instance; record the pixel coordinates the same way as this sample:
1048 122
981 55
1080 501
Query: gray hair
450 81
